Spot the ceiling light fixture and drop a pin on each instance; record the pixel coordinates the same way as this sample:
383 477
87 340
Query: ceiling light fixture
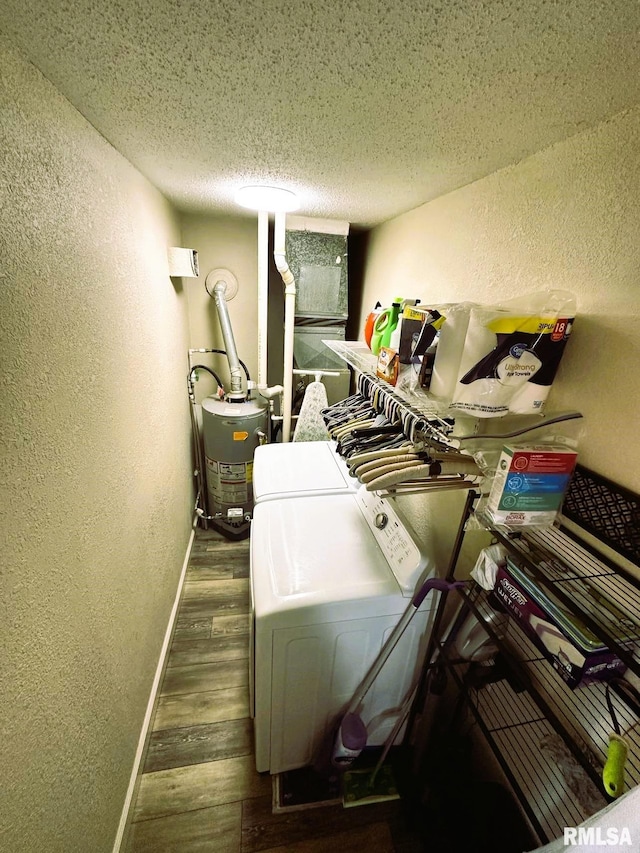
271 199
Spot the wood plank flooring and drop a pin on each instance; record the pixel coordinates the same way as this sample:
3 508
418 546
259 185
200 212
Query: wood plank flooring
199 791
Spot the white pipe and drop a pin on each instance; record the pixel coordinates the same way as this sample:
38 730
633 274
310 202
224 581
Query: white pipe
270 393
280 258
263 295
263 308
287 402
316 373
279 251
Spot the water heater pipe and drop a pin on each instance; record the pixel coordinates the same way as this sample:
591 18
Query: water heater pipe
235 370
263 295
280 258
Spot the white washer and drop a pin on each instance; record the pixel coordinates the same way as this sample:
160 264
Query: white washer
330 577
300 468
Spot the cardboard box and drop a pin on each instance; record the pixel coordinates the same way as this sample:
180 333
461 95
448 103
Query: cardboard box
530 484
417 332
387 367
574 651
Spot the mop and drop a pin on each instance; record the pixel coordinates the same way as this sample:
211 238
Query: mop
362 786
365 785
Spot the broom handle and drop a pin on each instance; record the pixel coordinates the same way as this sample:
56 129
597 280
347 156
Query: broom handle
394 637
402 716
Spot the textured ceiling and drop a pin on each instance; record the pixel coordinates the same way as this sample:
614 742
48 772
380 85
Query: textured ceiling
366 108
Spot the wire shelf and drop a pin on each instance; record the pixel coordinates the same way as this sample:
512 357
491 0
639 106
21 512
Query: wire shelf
355 353
516 723
440 423
606 602
517 731
525 663
358 355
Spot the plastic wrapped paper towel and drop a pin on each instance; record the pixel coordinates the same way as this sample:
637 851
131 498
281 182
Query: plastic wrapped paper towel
449 350
498 360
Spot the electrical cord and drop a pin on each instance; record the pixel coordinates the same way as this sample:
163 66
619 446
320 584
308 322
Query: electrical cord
208 370
240 362
632 694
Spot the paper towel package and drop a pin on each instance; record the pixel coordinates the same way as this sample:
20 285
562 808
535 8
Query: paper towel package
509 362
449 350
493 361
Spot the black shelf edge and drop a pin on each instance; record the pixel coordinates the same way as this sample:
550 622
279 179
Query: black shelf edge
609 512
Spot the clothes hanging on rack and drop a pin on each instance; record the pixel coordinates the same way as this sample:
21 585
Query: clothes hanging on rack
389 444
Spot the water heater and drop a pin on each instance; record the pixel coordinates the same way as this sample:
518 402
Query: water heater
231 432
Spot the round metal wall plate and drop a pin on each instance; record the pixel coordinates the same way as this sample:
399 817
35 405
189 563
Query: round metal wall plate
222 275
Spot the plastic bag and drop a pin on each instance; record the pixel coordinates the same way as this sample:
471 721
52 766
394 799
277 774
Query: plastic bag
508 354
486 568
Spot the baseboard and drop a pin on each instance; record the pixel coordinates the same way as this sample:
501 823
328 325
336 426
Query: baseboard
133 781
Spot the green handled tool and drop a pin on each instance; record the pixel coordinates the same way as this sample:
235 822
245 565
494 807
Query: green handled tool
618 749
613 770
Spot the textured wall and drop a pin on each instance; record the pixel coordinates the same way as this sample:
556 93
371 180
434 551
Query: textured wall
94 432
568 217
230 243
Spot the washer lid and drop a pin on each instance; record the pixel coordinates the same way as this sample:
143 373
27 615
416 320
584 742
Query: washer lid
315 550
305 466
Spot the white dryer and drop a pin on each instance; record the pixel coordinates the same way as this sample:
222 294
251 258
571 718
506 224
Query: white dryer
330 577
300 468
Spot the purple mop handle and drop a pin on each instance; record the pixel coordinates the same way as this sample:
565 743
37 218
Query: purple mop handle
398 631
434 583
352 734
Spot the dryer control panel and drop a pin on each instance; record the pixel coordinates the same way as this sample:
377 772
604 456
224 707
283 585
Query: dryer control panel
406 559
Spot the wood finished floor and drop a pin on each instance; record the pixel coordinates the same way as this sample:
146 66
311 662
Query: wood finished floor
199 791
